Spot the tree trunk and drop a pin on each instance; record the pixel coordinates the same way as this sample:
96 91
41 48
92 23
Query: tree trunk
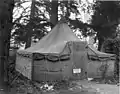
100 39
117 52
100 42
30 28
6 10
1 58
54 12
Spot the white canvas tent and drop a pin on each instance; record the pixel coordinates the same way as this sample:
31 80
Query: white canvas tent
56 55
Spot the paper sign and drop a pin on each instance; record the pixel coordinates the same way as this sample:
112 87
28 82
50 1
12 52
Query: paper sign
77 70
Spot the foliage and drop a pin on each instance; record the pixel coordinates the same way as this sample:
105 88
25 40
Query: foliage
112 46
103 22
105 19
41 21
78 23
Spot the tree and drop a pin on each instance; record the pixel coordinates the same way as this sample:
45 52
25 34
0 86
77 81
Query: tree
105 19
37 23
76 23
54 12
30 27
34 26
112 46
47 15
6 10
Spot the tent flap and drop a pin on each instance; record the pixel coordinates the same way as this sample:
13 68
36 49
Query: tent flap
37 56
51 57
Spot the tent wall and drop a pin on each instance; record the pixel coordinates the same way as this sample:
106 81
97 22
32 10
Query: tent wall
50 71
44 70
24 65
59 71
95 68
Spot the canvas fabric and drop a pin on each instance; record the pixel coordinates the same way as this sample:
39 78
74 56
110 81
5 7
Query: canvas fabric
55 41
94 53
55 55
24 65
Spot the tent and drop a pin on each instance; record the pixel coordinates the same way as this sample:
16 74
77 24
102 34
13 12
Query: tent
57 56
100 63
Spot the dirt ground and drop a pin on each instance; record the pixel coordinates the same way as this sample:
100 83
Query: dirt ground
82 87
101 88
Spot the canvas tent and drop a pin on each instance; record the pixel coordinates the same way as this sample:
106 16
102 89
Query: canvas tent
98 61
56 56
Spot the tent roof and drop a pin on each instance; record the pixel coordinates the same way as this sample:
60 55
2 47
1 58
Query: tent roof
94 52
55 41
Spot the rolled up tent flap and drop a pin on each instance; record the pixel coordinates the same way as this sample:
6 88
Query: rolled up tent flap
51 57
65 57
38 56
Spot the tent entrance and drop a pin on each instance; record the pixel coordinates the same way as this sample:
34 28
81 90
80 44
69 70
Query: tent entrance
79 60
